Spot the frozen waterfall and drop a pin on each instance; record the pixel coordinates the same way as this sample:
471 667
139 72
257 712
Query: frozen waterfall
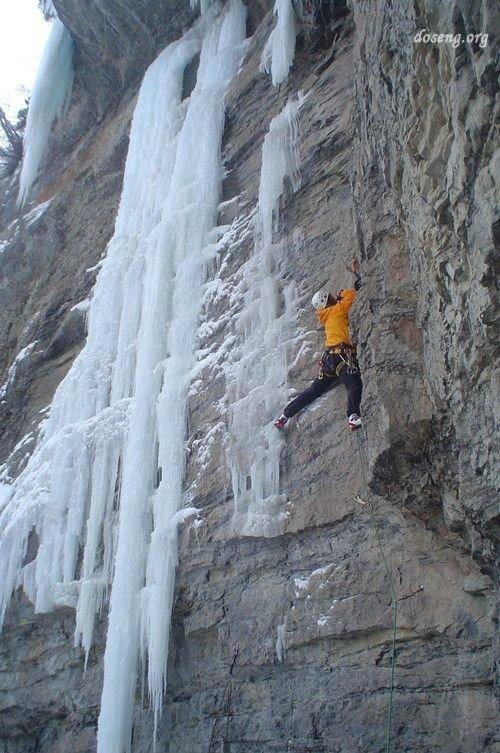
49 97
257 374
103 486
278 53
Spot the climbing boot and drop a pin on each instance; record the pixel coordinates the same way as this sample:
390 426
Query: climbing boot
354 422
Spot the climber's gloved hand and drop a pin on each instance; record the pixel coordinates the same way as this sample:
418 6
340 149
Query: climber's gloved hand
354 269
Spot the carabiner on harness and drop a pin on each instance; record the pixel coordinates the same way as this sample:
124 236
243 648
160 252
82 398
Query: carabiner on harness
347 356
336 358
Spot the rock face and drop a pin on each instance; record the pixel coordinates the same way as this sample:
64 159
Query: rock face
397 163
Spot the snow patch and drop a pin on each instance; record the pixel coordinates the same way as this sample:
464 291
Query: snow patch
31 217
96 267
302 584
204 447
11 374
82 306
342 600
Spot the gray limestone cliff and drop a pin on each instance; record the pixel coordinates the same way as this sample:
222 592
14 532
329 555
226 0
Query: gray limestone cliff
397 152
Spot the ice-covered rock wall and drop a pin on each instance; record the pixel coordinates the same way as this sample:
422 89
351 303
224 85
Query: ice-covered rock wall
107 472
265 323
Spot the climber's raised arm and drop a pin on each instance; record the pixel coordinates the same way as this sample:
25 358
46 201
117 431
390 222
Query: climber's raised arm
345 299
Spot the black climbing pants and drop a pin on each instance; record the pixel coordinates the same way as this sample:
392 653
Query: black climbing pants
333 371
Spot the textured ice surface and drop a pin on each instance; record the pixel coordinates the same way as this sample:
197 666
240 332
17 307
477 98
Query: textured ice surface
266 329
50 94
280 160
103 486
278 53
5 491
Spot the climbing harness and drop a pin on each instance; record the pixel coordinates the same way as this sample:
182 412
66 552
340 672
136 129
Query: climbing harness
395 600
329 361
227 689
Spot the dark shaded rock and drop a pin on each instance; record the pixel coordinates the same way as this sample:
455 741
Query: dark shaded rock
116 41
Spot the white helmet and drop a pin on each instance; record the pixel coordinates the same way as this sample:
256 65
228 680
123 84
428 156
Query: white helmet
320 299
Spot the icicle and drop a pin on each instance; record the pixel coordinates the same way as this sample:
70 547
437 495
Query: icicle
257 375
49 97
192 214
278 53
280 160
280 645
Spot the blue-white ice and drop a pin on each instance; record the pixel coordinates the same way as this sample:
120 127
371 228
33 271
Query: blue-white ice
103 488
50 94
266 340
279 51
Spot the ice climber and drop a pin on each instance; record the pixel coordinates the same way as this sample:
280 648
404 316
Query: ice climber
338 362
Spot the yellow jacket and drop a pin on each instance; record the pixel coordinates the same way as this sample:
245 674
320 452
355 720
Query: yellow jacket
335 319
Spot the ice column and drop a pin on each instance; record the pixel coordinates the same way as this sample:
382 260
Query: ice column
174 283
103 486
257 373
51 92
277 56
